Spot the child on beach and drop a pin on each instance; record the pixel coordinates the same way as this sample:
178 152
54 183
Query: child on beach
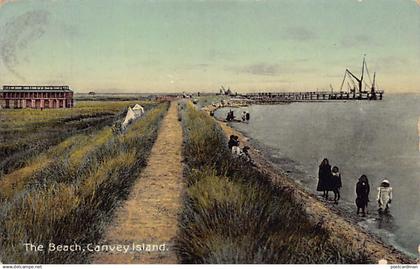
336 183
243 116
384 196
245 154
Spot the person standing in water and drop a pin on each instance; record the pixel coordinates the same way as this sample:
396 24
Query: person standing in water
230 116
324 178
243 116
362 192
247 116
384 196
336 183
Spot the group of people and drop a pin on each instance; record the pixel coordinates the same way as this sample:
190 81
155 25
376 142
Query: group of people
230 116
233 145
245 117
330 180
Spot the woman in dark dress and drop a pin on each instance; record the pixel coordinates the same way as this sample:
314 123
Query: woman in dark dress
233 141
362 192
324 178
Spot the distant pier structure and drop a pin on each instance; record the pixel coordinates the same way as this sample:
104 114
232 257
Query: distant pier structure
37 97
311 96
358 89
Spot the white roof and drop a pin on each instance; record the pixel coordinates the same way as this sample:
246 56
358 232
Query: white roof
138 107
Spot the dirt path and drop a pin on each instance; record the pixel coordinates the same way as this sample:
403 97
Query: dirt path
150 214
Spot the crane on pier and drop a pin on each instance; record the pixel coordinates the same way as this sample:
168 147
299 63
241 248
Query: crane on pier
360 84
353 76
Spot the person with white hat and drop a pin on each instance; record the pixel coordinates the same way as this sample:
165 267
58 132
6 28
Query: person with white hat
384 196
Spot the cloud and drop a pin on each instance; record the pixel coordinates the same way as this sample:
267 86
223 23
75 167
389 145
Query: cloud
69 30
299 34
359 40
391 64
196 66
417 1
262 69
270 69
18 34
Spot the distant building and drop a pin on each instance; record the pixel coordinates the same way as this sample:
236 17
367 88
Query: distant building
38 97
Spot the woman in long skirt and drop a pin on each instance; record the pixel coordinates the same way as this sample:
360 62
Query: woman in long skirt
324 178
362 192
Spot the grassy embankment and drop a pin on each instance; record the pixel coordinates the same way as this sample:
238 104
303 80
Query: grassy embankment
234 214
24 133
72 197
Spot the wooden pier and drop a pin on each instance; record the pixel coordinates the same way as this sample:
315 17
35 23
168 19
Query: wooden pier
358 89
313 96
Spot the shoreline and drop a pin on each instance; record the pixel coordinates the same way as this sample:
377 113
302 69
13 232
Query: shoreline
335 219
344 209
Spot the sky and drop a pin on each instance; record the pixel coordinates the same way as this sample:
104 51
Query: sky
180 45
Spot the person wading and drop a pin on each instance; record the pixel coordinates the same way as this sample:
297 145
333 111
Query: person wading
336 183
324 178
230 116
362 192
384 196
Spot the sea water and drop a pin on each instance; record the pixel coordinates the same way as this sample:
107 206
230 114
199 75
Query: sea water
377 138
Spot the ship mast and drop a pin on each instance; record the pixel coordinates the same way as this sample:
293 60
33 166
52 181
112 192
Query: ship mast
373 83
363 72
358 82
